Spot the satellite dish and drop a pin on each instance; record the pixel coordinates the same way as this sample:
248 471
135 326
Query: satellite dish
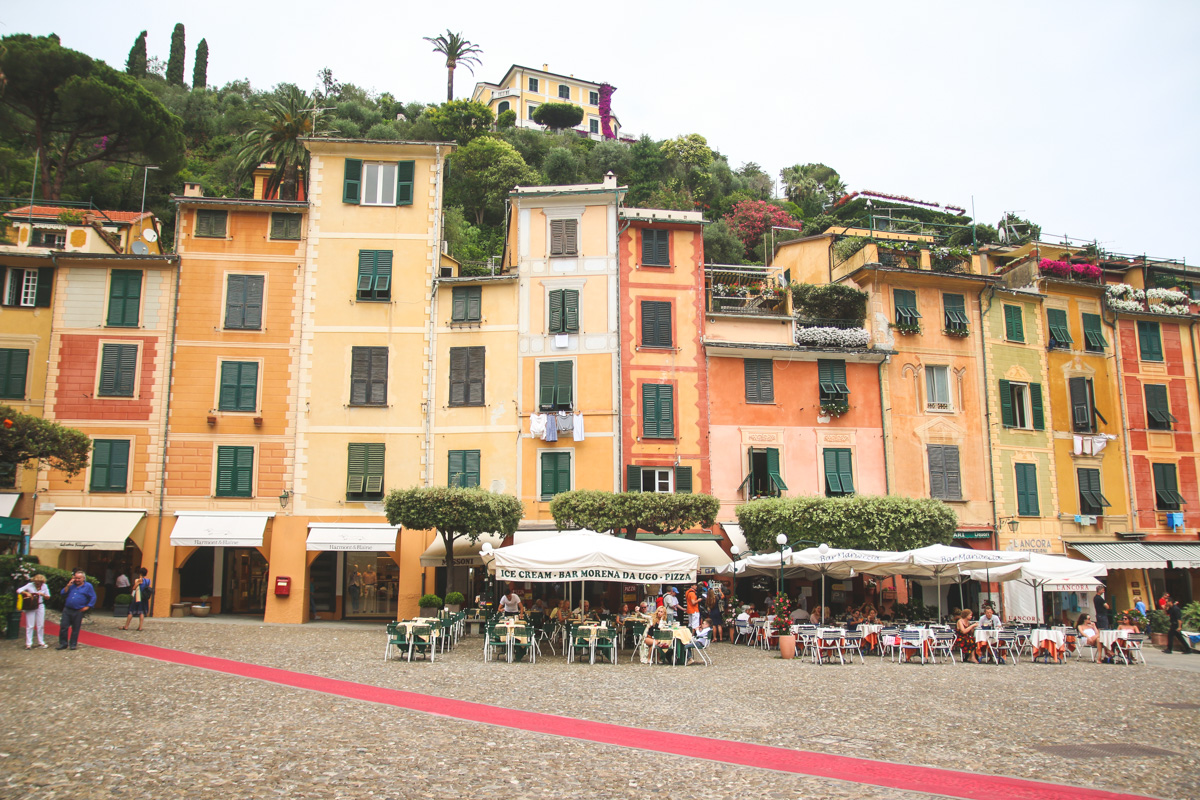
141 249
149 235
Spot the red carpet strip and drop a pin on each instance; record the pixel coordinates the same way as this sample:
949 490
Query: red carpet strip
951 783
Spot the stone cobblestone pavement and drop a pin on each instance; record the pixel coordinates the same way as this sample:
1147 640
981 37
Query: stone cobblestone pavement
94 723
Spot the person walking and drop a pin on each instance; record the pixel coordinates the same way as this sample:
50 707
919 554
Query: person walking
1175 612
1102 608
80 597
692 598
141 599
35 594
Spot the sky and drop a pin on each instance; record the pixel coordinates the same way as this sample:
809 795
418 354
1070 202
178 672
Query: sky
1080 116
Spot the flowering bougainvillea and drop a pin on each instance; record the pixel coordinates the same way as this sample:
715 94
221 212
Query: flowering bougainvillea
751 219
606 91
1062 269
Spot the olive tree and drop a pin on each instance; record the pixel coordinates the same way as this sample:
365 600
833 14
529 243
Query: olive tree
628 512
868 522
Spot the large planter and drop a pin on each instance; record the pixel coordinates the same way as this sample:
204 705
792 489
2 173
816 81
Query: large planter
12 621
121 611
1158 639
429 611
787 646
180 609
201 611
454 608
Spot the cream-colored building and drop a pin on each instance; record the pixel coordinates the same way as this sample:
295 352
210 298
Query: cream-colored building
523 89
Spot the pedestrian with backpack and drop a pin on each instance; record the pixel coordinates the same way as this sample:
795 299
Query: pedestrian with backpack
141 590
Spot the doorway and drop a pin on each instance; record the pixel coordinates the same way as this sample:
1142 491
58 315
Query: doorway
245 589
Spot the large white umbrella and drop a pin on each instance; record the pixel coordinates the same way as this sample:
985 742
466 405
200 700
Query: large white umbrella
1041 571
846 562
937 560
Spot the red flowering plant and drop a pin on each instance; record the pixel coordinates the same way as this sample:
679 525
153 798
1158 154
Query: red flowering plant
1056 269
605 109
751 219
1085 272
782 624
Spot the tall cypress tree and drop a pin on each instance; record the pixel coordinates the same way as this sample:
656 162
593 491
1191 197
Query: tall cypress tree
135 65
178 56
200 73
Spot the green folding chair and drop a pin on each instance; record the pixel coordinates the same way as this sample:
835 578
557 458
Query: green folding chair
423 642
397 637
606 639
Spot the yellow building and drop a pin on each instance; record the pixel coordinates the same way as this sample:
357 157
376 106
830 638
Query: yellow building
523 89
69 229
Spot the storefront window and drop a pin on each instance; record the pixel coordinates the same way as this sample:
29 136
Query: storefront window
372 580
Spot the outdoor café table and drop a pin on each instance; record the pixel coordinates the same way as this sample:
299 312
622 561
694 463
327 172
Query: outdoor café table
989 637
1047 643
828 640
681 635
870 634
1109 638
927 636
516 644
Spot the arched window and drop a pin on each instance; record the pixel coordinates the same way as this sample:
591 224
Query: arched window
500 109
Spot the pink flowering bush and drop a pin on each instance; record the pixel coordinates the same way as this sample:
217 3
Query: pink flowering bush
751 219
1085 272
1058 269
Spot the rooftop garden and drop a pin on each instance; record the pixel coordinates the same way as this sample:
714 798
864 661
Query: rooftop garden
1126 298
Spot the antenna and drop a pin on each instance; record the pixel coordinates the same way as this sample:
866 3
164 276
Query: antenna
140 249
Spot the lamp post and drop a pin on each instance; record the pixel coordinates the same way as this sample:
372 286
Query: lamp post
785 545
484 552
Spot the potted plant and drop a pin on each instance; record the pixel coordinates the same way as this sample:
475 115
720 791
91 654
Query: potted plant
1160 623
121 605
430 605
202 608
834 408
782 625
454 602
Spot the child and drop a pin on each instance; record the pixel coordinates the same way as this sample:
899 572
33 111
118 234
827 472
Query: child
700 640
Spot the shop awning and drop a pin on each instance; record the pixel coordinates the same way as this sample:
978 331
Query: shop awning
736 537
219 528
534 535
352 537
707 548
1120 555
7 503
1182 555
466 553
87 529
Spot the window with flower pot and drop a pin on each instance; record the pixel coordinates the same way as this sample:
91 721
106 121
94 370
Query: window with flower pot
1056 325
1093 334
1091 500
1166 488
907 315
831 382
1158 409
1021 405
954 307
764 478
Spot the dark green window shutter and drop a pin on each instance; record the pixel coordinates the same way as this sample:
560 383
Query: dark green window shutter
1081 404
555 385
1093 333
937 471
352 181
556 474
471 468
118 369
1035 402
546 376
458 305
364 471
773 472
1150 341
14 368
210 223
239 386
760 380
101 455
356 469
833 477
1014 325
633 478
656 323
650 410
1166 489
110 465
1158 408
404 182
1027 490
466 304
953 473
1091 499
658 411
124 298
954 308
464 468
656 248
204 223
244 302
831 379
570 300
906 307
683 480
474 303
556 311
1056 322
285 226
45 286
374 275
1006 408
235 472
466 376
368 376
252 319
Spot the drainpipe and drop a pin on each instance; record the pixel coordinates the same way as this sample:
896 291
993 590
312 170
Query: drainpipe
431 386
1125 413
617 388
987 421
162 476
887 482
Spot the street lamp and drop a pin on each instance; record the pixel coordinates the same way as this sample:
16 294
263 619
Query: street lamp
145 179
484 552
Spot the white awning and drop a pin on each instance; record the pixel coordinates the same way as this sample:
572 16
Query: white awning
219 528
1120 555
7 503
534 535
357 537
587 555
87 529
712 557
736 537
466 553
1182 555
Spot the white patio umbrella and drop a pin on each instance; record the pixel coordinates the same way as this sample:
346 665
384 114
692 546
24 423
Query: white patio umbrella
937 560
845 562
1043 570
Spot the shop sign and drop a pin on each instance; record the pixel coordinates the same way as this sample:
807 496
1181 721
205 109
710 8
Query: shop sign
639 576
972 534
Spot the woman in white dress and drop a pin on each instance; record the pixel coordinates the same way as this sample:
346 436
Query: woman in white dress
35 594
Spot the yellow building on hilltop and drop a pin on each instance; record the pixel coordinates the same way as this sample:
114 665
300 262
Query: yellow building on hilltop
523 89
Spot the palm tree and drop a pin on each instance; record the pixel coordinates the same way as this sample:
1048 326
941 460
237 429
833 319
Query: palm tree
277 139
456 49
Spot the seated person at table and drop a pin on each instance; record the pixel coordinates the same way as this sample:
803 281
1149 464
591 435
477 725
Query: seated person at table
660 620
1091 636
562 612
1129 627
856 619
746 615
887 615
815 617
868 614
700 640
989 620
799 615
965 630
511 603
539 605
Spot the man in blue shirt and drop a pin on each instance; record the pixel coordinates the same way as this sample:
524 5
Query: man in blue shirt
80 596
1140 605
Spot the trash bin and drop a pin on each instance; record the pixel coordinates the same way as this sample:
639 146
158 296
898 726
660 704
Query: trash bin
12 622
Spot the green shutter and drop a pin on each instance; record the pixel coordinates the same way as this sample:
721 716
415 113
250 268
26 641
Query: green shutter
666 411
1006 409
1056 321
118 370
254 302
101 455
239 386
760 380
1035 402
467 304
773 472
1014 325
474 303
245 472
404 182
471 468
650 419
546 375
124 298
548 475
229 386
1150 341
203 223
833 482
1027 490
45 286
235 302
683 480
556 474
953 472
285 226
235 471
906 306
633 478
356 468
937 471
845 469
751 367
352 181
556 311
382 289
954 309
1093 333
554 384
458 305
656 323
456 467
1158 407
14 368
563 384
570 310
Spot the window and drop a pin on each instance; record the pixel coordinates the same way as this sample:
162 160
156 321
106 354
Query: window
368 376
466 376
760 380
14 367
831 378
1056 323
839 474
764 478
110 465
1093 334
1091 500
211 224
945 478
244 302
1083 405
1166 489
556 474
504 106
239 386
1021 405
533 84
1014 324
1027 490
378 183
364 471
593 98
662 480
657 480
937 388
531 107
656 248
235 472
118 370
564 91
1150 341
1158 410
285 226
8 475
593 126
374 275
124 298
656 323
906 308
55 240
658 411
955 308
555 385
564 311
28 288
466 304
564 237
464 468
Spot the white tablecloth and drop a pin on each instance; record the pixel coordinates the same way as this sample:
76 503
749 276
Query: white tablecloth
1107 638
867 630
1040 635
987 634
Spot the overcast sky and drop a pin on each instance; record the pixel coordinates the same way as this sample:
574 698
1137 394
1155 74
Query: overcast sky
1080 116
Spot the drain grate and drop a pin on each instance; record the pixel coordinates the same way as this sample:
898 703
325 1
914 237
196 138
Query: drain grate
1104 750
1184 706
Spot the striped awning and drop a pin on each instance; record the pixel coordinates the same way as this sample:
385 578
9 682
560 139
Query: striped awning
1120 555
1182 555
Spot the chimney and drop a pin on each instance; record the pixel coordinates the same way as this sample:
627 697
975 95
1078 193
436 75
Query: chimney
610 180
545 67
193 190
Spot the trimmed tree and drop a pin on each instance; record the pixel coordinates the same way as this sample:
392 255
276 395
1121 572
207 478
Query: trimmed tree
25 439
483 173
177 57
626 513
455 514
461 120
558 116
200 70
135 65
867 522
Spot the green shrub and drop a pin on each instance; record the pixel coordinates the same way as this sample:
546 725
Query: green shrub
16 571
455 599
829 301
507 119
848 246
430 601
558 116
1191 616
867 522
1159 621
123 599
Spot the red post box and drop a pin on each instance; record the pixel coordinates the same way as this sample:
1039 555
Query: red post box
283 586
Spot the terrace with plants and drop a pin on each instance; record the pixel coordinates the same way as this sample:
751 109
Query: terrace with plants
830 316
745 290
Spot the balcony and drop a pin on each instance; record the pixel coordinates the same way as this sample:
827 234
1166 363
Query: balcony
745 291
500 94
1065 271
